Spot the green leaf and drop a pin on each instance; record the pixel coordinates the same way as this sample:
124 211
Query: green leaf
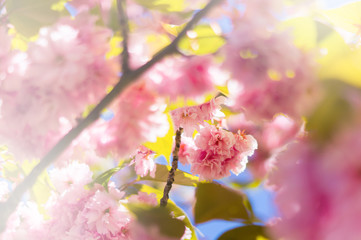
333 112
180 177
104 178
163 5
159 217
201 40
214 201
163 145
250 232
176 211
29 16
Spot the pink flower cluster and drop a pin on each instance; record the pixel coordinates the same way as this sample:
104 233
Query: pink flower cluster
74 212
214 152
319 189
144 162
189 118
217 152
270 75
65 65
189 77
138 118
272 137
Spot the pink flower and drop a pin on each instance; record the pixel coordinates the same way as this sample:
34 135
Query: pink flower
219 151
252 53
142 197
318 189
70 83
25 223
96 214
138 118
295 97
187 146
175 77
272 137
104 217
144 162
69 181
189 118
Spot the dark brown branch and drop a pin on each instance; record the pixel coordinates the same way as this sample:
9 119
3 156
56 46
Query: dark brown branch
125 31
6 208
170 180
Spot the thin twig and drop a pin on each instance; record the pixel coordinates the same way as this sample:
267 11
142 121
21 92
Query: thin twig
170 180
6 208
125 31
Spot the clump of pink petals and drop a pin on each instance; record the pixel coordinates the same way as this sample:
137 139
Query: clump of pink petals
144 162
189 118
188 78
219 152
138 118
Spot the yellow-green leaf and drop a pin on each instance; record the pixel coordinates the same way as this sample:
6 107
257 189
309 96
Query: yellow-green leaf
163 5
340 61
303 31
202 40
180 177
29 16
249 232
214 201
177 212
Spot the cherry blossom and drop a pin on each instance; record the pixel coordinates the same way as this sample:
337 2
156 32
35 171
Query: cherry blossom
272 137
144 162
321 211
189 77
219 152
139 118
189 118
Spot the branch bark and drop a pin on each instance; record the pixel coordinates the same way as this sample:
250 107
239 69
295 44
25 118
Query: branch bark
170 180
125 31
6 208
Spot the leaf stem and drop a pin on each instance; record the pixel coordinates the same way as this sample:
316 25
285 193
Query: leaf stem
170 180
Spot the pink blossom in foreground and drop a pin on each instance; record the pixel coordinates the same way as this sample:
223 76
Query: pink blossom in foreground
272 137
77 213
252 52
70 83
311 207
175 77
189 118
25 223
294 95
219 152
144 162
69 181
138 118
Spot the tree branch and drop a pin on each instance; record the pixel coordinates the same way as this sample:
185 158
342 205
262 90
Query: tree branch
6 208
170 180
125 30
